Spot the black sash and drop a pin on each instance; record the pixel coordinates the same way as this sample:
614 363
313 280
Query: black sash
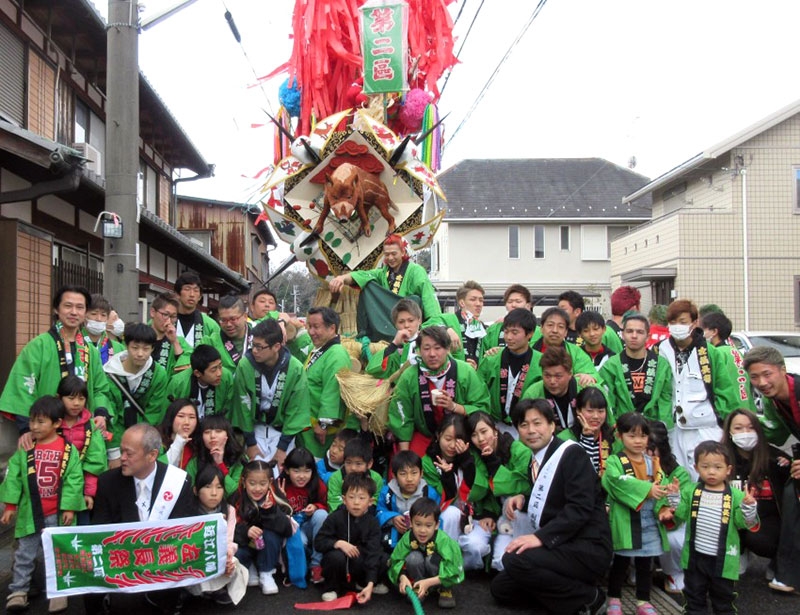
129 412
312 358
563 416
433 414
650 366
230 347
472 345
505 369
727 509
161 352
279 371
68 369
394 279
636 518
209 395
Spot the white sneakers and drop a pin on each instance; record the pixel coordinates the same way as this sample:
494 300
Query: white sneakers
329 596
268 585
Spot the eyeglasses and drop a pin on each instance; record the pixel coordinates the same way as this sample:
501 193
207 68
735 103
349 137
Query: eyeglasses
259 347
231 320
169 315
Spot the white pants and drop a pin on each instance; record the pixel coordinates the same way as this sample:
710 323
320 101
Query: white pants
684 441
267 440
520 526
475 546
450 520
671 560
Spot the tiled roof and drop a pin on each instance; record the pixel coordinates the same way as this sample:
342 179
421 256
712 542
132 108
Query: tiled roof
542 188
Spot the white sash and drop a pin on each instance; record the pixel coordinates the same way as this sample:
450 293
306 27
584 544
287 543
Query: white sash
187 335
511 383
541 488
168 494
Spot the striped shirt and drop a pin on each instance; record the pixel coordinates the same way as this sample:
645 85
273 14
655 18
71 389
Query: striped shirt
709 519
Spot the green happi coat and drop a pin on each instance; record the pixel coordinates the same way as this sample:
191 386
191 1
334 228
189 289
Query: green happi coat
300 346
210 327
335 488
292 415
15 490
514 477
325 402
581 362
414 282
93 457
176 364
231 478
489 372
405 410
626 495
659 408
396 359
215 340
152 399
37 372
730 567
451 565
180 386
776 427
484 502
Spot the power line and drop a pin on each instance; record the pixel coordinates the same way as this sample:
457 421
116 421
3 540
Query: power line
491 78
463 41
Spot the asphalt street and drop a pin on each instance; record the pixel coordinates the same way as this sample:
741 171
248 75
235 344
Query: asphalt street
472 597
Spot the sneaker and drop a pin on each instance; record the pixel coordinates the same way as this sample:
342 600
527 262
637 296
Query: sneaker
744 560
597 606
780 587
316 575
446 599
57 605
379 589
646 609
17 601
673 585
268 585
614 606
221 597
252 580
329 596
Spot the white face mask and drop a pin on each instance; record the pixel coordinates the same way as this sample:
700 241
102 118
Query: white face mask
746 440
118 328
680 332
95 327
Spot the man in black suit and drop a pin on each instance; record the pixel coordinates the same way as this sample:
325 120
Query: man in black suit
138 491
559 563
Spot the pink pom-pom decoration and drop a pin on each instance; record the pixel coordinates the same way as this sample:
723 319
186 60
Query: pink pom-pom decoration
413 109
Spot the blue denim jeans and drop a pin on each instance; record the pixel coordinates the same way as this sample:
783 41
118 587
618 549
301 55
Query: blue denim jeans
266 559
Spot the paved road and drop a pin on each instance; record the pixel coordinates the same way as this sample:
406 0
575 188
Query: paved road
472 597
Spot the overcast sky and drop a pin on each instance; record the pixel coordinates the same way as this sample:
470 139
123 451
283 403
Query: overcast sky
660 80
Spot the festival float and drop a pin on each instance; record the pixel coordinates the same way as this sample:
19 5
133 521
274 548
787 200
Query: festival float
358 140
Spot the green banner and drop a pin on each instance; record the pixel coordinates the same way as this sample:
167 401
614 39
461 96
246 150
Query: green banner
384 36
134 557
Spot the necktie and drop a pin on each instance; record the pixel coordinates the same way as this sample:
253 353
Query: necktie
143 501
534 469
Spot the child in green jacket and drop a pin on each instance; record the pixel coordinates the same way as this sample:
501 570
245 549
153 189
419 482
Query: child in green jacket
426 557
43 488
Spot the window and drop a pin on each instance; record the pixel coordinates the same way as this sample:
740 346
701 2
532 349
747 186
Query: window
12 77
202 239
538 241
594 245
513 242
81 122
147 190
797 190
564 231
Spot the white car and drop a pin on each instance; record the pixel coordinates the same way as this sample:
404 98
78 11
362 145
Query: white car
787 343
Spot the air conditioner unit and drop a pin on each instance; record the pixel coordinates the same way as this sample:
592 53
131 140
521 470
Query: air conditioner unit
91 153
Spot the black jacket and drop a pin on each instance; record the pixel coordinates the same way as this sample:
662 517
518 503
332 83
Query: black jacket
115 501
363 532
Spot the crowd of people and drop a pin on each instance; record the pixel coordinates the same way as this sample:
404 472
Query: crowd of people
557 455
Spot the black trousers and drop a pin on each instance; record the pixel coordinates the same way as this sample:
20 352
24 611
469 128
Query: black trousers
644 576
701 583
342 573
788 555
560 580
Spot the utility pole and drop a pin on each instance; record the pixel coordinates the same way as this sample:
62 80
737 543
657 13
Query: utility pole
121 273
294 297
